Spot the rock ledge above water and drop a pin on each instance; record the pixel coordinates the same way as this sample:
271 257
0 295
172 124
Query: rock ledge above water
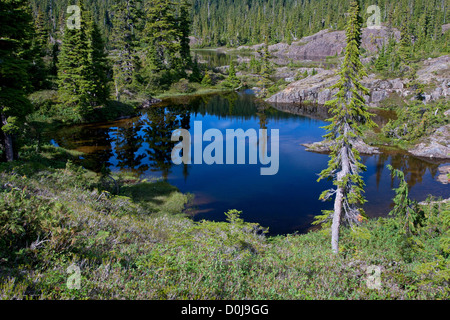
324 147
435 146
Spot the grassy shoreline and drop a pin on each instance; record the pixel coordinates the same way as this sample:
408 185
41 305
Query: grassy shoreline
202 91
138 244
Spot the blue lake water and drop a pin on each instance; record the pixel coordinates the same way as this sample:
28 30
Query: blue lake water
285 202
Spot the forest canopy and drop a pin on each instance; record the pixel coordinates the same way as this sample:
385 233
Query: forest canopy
243 22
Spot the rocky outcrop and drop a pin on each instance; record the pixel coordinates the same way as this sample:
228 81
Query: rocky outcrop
324 147
149 102
316 89
436 146
432 68
431 150
193 41
287 73
435 73
311 89
444 174
445 28
326 43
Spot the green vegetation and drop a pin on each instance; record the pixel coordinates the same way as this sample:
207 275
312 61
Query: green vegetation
124 42
276 87
72 82
82 70
414 121
167 52
218 23
247 22
408 213
349 114
232 80
418 39
133 239
15 37
206 81
148 49
137 244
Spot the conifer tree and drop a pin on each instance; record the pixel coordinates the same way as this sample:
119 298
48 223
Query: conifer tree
404 49
161 35
15 35
99 64
184 27
41 33
53 70
126 23
38 72
206 81
350 113
255 65
232 80
166 36
381 62
75 81
266 68
405 210
240 22
196 75
392 58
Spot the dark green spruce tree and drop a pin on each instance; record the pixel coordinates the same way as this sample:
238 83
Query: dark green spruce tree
38 71
349 114
266 66
41 33
161 35
196 75
76 87
184 27
232 81
126 23
406 211
15 36
404 45
381 62
99 64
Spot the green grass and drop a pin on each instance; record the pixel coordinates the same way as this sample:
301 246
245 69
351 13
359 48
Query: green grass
199 91
139 244
157 196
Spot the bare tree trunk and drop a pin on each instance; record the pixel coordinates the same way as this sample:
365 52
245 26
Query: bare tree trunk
7 141
336 220
339 200
116 86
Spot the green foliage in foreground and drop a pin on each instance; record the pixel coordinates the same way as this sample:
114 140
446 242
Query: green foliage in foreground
407 211
136 245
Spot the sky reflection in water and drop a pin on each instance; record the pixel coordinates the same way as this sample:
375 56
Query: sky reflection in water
286 202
